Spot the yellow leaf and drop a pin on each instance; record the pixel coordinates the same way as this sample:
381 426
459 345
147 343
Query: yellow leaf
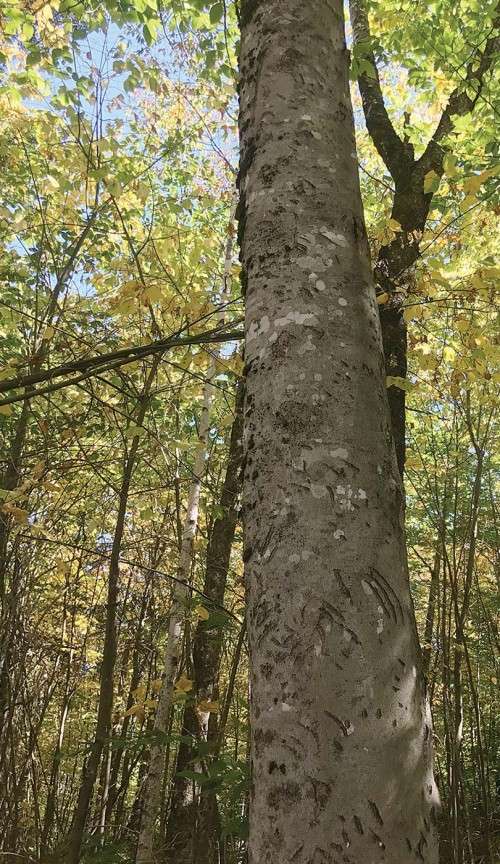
382 298
38 470
236 364
394 225
153 293
413 311
431 182
413 462
48 334
439 278
467 202
491 272
427 361
6 410
448 354
397 381
474 183
131 287
136 711
62 566
183 685
477 282
449 165
139 693
207 706
202 613
19 515
125 308
156 685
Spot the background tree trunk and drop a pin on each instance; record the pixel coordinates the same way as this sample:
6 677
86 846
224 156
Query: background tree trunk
207 646
411 204
106 682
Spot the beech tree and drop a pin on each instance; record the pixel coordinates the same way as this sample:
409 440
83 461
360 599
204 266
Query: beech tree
341 737
124 653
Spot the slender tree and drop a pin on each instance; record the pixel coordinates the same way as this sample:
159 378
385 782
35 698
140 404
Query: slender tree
186 811
341 738
106 678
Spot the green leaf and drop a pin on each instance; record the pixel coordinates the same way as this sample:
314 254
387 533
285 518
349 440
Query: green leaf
27 31
33 57
216 13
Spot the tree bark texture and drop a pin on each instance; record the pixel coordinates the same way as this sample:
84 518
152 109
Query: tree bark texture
341 737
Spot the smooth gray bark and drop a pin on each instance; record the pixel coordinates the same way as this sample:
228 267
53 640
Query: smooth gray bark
341 737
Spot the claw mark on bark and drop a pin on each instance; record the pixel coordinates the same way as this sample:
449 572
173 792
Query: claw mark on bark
346 728
266 629
330 610
332 495
382 598
420 846
320 856
342 586
297 852
376 812
298 750
321 793
378 840
389 591
346 838
332 614
358 824
265 541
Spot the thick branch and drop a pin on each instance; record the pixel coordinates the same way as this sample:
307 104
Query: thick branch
397 156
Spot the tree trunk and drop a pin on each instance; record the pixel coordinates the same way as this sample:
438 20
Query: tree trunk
394 266
206 656
341 738
431 610
151 799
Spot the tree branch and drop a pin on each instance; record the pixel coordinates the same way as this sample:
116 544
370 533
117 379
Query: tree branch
112 360
397 156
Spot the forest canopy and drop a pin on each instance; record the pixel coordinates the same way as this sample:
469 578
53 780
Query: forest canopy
126 226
